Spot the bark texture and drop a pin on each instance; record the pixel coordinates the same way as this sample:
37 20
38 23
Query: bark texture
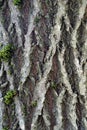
48 69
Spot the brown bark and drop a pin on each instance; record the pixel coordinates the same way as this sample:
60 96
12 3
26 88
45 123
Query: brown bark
48 68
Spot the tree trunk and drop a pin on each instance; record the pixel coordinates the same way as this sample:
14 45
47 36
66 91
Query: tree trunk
47 67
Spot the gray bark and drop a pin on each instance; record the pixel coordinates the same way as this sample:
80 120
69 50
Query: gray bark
48 69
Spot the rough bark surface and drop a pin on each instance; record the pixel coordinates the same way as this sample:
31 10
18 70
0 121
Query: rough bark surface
48 69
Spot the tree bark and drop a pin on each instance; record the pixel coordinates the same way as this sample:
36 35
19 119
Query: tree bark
48 67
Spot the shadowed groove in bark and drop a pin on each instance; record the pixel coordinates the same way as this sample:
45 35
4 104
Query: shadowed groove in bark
27 95
65 35
41 124
13 33
65 120
71 69
67 113
73 11
50 106
80 116
6 16
26 8
55 73
15 13
81 40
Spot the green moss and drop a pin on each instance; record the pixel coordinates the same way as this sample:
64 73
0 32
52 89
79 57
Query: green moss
1 44
2 20
47 2
5 116
34 103
37 19
53 85
24 109
8 98
6 53
11 69
17 2
5 128
1 3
